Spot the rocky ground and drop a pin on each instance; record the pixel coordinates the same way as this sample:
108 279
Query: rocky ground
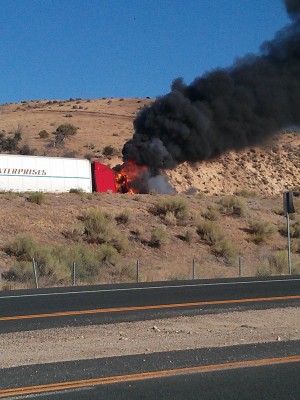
186 332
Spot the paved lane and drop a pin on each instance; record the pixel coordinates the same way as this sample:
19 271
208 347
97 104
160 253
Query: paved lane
24 310
261 371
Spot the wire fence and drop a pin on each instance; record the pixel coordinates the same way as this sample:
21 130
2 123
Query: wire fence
132 271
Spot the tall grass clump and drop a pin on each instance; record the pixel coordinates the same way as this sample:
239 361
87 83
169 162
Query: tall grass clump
123 217
233 205
260 231
159 236
36 197
174 205
212 213
279 261
100 228
246 193
294 230
211 233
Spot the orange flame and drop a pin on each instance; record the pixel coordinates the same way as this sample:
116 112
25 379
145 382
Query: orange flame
130 177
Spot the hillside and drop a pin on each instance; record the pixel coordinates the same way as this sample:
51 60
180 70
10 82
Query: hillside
257 177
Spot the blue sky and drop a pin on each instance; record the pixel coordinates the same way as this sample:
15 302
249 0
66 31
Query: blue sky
57 49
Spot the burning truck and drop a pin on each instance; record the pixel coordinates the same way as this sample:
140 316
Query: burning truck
57 174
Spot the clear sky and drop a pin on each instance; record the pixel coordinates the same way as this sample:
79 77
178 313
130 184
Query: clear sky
57 49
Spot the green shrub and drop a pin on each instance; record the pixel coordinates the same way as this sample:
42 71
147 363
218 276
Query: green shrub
294 230
173 205
64 131
263 271
211 233
246 193
260 231
99 227
233 205
43 134
23 247
21 271
159 236
170 218
123 217
279 261
212 213
36 197
122 273
109 151
189 235
76 191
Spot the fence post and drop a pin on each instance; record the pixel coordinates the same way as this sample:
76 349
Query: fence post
74 273
193 268
137 271
35 273
240 265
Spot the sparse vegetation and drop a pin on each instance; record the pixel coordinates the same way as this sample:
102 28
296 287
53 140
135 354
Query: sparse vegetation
100 227
36 197
211 233
64 131
109 151
123 217
43 134
260 231
233 205
159 236
294 230
175 205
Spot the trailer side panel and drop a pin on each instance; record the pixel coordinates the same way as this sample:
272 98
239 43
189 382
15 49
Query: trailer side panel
45 174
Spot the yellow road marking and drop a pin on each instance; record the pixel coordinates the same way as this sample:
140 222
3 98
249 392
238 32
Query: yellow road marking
140 308
142 376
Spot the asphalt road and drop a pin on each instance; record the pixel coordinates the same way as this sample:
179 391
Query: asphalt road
255 371
45 308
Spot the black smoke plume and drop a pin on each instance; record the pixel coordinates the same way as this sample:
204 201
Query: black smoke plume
224 109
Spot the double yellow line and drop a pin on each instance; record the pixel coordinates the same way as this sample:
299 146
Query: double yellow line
152 307
85 383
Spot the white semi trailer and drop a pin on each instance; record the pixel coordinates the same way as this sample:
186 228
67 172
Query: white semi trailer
45 174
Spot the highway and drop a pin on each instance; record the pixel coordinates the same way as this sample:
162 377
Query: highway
254 371
45 308
262 371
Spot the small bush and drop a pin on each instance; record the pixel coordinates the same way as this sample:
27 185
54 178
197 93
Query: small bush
64 131
279 261
233 205
263 271
23 247
173 205
159 236
213 235
260 231
210 232
189 235
76 191
123 217
99 227
36 197
212 213
170 218
26 150
246 193
109 151
43 134
294 230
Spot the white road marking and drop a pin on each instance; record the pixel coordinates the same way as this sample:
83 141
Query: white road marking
147 288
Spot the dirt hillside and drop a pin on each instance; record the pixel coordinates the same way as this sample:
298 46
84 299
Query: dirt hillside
257 177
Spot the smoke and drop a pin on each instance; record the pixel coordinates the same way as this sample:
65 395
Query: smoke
224 109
